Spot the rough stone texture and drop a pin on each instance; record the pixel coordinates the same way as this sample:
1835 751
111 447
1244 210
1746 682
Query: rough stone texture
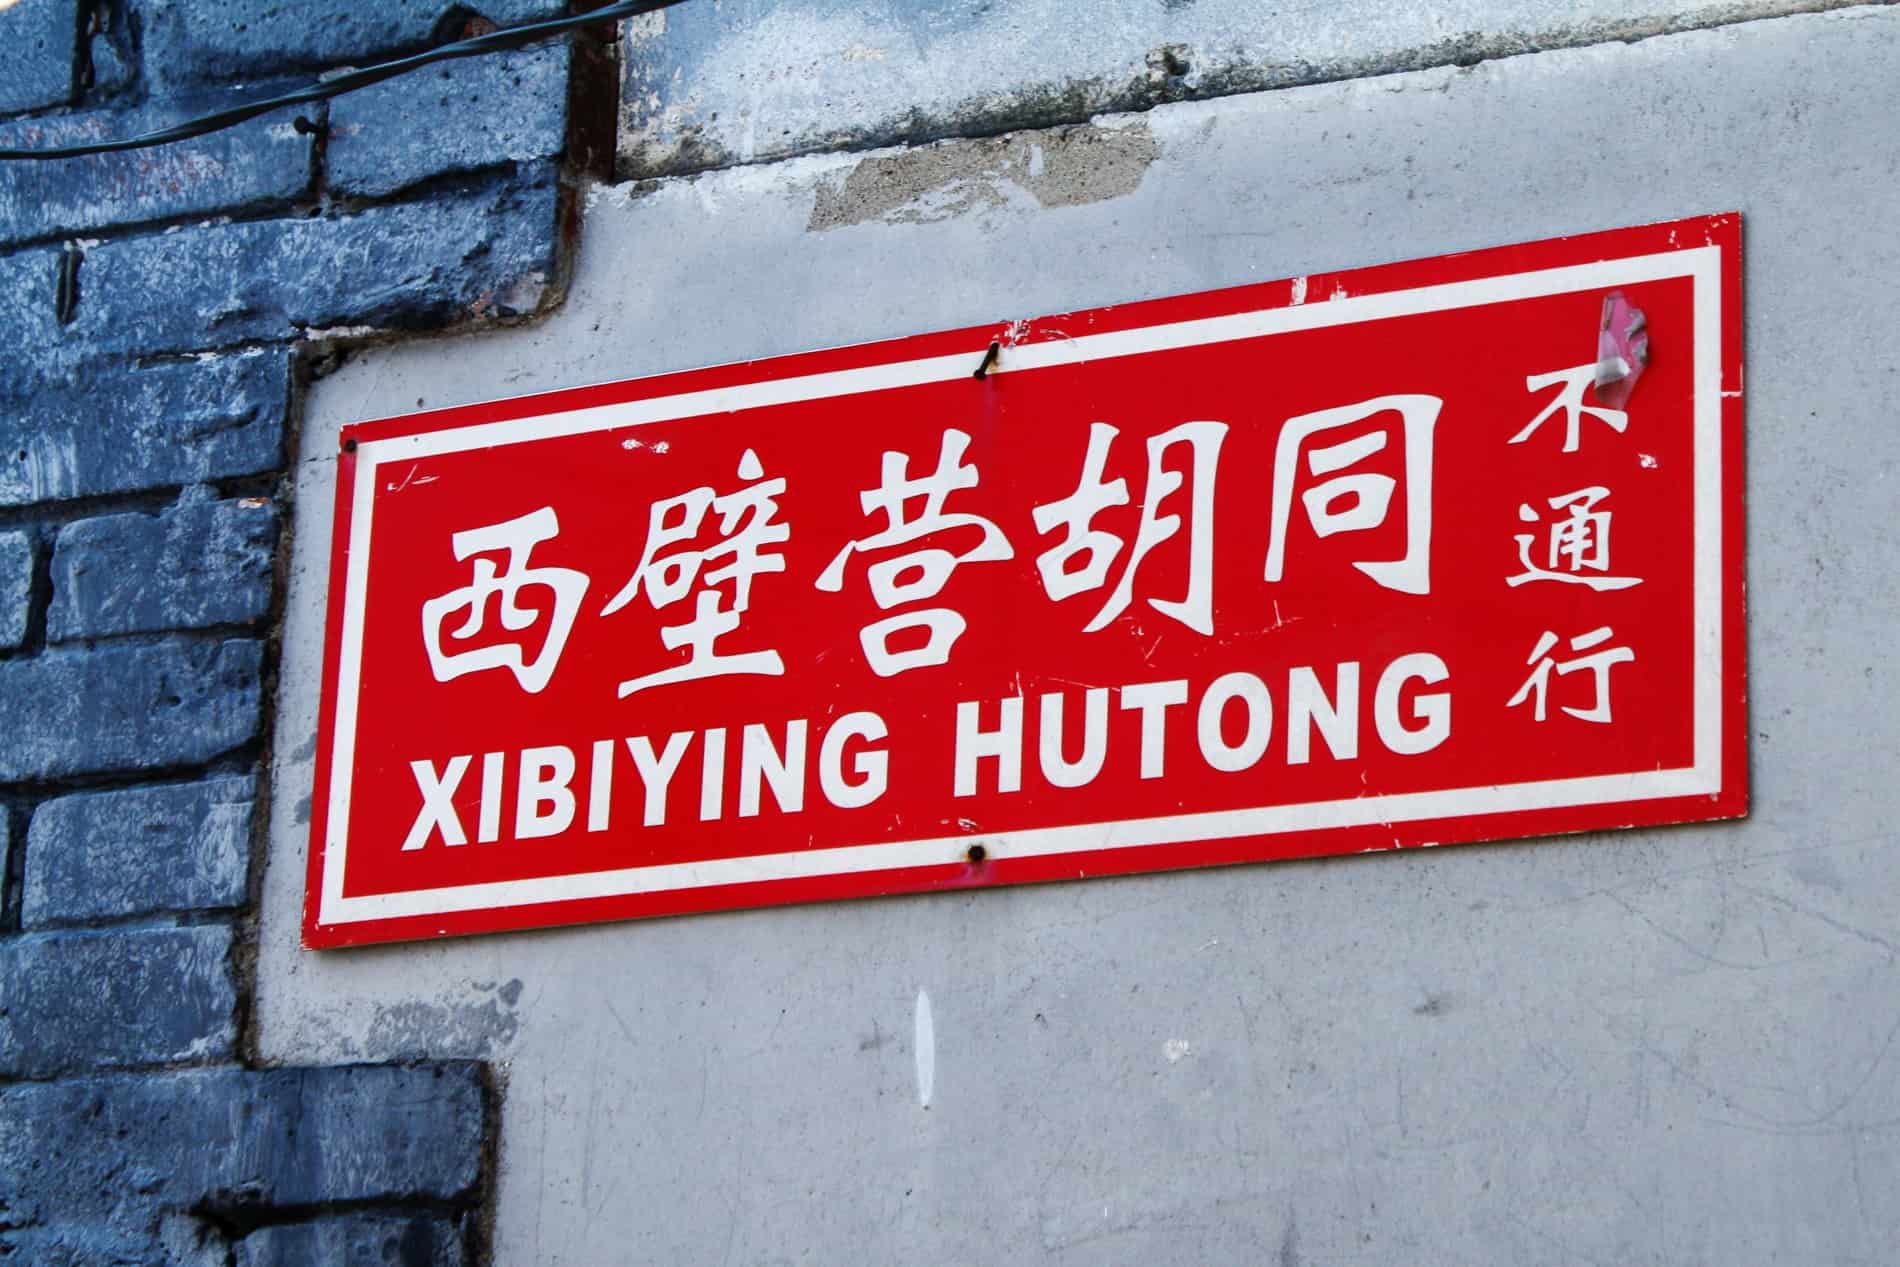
128 707
243 168
103 855
110 429
197 564
711 84
100 1166
37 39
488 252
112 998
110 64
152 305
16 587
189 42
454 116
29 282
355 1241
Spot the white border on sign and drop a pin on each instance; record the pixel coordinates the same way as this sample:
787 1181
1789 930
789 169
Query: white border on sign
1701 264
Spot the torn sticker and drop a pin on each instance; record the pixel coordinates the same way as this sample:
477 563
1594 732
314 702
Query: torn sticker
1622 350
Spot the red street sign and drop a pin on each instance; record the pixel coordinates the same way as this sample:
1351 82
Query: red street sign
1435 552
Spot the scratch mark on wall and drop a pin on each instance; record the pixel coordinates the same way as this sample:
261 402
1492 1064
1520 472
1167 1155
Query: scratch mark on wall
926 1049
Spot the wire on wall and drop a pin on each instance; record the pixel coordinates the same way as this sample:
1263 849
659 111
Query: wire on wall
497 41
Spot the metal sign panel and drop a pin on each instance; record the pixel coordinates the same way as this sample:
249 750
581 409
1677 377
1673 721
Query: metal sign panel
1435 552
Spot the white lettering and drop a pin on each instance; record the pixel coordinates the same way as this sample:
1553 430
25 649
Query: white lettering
1081 772
712 773
1433 710
1337 719
489 829
1154 699
1005 743
438 811
545 776
538 790
1215 749
871 765
600 786
656 772
760 762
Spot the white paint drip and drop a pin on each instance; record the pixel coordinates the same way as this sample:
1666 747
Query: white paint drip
1299 291
926 1047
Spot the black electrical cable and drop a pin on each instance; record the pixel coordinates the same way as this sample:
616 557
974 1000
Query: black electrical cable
494 42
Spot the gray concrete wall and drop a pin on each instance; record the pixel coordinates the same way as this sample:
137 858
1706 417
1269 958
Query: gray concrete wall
718 82
1649 1047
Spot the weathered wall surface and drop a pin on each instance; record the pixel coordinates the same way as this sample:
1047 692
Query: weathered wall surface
1665 1046
719 82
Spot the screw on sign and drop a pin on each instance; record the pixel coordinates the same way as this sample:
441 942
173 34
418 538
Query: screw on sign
1208 579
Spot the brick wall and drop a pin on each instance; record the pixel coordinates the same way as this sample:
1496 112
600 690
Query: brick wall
159 311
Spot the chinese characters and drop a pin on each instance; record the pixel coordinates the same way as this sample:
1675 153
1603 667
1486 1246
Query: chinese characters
1575 550
515 540
1368 493
670 567
1578 544
917 574
1347 485
1074 515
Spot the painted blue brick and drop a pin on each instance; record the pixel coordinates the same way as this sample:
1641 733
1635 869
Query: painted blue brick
6 852
455 116
423 1240
106 999
191 42
16 587
91 1167
197 564
29 285
489 251
136 851
105 429
111 41
37 42
253 1135
368 1132
253 165
127 707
